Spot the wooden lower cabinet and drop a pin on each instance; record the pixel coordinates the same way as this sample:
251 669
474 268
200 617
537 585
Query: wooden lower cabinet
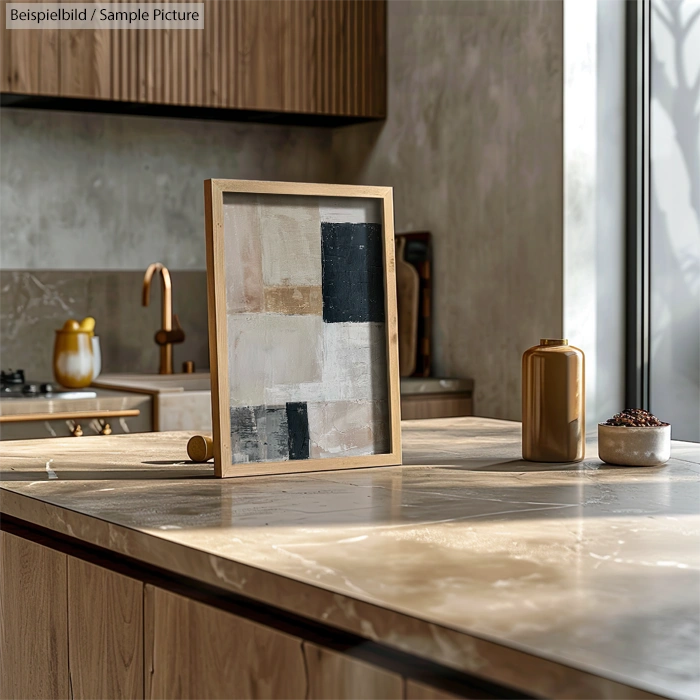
194 650
105 633
333 676
420 691
33 620
72 629
68 629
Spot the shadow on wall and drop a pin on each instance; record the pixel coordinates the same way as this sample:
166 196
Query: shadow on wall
675 216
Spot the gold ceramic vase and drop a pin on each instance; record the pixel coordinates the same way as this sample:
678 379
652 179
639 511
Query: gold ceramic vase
554 422
72 356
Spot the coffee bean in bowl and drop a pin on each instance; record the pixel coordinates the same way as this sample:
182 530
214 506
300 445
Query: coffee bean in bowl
634 438
634 418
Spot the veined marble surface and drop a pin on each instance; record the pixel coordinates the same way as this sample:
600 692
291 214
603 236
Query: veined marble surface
566 581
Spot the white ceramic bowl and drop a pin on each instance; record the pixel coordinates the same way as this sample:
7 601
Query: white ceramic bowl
634 447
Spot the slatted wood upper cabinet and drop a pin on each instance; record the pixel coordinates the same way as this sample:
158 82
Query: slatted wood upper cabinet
315 57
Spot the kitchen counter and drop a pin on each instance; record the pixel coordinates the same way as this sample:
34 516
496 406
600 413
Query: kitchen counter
566 581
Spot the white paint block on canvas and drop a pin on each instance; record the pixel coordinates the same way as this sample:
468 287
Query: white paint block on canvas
348 428
353 357
355 362
291 240
350 210
242 253
267 350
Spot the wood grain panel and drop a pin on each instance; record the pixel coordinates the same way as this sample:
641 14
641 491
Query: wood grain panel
350 57
323 55
105 632
225 39
192 76
419 691
333 676
22 52
196 651
33 621
120 63
28 60
302 56
182 66
49 62
85 63
377 85
5 60
211 57
132 66
31 61
141 64
259 55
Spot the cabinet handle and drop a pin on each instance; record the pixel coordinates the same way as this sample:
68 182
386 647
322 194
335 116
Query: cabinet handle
106 429
69 415
77 431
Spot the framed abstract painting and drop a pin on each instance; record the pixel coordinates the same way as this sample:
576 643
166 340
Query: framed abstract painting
302 327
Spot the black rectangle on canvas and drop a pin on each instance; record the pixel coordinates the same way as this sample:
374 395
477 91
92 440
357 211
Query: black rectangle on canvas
352 273
298 430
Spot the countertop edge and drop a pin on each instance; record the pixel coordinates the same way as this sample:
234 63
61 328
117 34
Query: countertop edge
497 662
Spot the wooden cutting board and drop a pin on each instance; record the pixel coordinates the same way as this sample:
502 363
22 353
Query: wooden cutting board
408 291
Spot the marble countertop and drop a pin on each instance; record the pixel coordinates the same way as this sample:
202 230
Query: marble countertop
566 581
105 400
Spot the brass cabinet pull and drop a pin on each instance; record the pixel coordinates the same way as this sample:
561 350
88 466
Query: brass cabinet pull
68 415
106 429
77 431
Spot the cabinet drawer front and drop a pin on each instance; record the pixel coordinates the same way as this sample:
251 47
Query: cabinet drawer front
197 651
105 632
90 422
33 620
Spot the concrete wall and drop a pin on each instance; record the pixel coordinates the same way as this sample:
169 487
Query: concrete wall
109 192
473 147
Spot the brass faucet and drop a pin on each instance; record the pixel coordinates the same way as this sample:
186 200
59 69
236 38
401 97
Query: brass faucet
167 335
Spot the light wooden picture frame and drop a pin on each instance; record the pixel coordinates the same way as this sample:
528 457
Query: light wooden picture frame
303 327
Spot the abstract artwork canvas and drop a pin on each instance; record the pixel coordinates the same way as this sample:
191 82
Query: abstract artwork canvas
302 315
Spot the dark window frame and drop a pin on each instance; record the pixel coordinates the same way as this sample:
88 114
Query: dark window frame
638 162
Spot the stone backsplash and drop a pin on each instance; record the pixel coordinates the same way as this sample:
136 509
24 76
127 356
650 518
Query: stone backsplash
34 303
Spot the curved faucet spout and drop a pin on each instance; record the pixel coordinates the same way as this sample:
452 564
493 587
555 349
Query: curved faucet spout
167 301
166 351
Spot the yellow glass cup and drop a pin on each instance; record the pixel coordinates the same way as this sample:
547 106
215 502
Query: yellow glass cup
72 356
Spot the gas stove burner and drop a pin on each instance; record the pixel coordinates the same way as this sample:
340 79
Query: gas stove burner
12 378
14 386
